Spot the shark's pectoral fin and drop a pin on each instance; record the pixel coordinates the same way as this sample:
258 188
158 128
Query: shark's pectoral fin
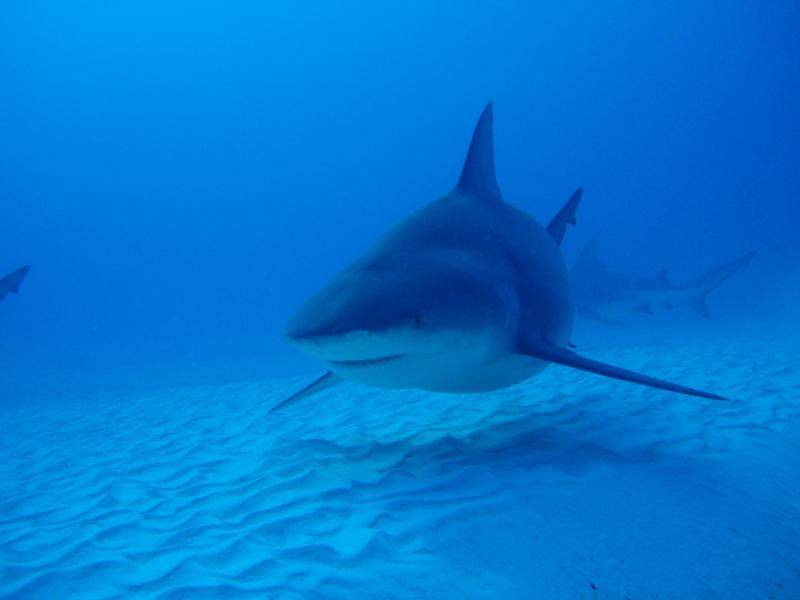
568 358
566 216
319 385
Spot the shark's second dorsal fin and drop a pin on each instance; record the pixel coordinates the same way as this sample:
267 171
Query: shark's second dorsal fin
478 176
566 216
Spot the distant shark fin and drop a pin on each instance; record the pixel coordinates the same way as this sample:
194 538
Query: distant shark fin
568 358
701 286
698 304
10 283
327 381
589 258
566 216
478 175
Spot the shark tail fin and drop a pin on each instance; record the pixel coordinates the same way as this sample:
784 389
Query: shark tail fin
589 258
327 381
568 358
566 216
703 285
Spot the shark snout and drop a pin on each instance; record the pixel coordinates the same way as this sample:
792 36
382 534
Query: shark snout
351 318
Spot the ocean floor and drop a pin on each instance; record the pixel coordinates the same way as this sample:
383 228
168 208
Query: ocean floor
567 486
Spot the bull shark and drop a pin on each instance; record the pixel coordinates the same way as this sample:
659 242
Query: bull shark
468 294
597 288
10 283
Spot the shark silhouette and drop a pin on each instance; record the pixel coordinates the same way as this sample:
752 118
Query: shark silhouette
467 294
596 287
10 283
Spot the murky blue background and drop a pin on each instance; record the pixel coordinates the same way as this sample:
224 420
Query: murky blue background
181 175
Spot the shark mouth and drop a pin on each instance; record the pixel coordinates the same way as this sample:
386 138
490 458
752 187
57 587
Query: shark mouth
369 362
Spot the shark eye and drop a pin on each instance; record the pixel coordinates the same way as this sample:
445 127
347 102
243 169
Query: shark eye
417 320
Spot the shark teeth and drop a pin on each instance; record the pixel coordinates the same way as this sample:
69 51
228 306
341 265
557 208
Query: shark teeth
368 361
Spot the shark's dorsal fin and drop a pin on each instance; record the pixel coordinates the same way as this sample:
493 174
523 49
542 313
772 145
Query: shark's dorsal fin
589 259
478 175
566 216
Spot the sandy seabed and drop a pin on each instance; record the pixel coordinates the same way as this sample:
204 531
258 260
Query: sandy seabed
566 486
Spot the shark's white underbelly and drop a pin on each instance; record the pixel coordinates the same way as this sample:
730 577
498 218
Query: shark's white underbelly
441 373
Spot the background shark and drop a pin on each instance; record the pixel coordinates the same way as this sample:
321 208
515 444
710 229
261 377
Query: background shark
468 294
596 288
10 283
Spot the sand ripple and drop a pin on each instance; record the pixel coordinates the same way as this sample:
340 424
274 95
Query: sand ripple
543 490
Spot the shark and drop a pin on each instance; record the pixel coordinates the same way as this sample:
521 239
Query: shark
11 282
596 288
468 294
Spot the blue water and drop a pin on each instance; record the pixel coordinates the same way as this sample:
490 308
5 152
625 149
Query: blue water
181 177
